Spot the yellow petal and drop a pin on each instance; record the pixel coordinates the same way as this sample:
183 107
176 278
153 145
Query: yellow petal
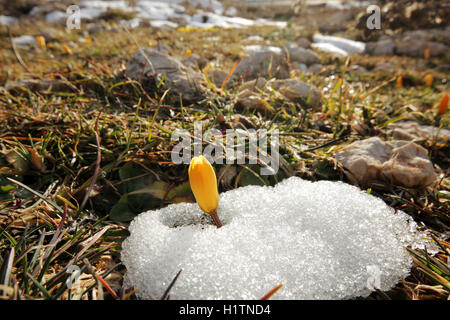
188 52
443 105
426 54
66 49
429 80
202 179
399 82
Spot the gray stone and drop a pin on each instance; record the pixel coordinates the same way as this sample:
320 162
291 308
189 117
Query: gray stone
302 55
316 68
154 65
300 66
251 101
335 22
195 61
381 48
412 131
265 64
416 48
217 76
296 90
303 43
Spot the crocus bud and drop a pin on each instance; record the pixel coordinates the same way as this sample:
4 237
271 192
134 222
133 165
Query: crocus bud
443 105
426 54
399 84
429 80
202 179
41 41
66 49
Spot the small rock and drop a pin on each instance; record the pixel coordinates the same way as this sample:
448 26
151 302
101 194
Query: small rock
301 55
330 48
24 41
412 131
94 27
416 48
347 45
249 100
56 16
261 64
316 68
255 38
156 65
375 161
257 84
335 22
443 68
356 68
303 43
195 61
51 34
162 47
8 21
381 48
257 48
300 66
295 90
217 77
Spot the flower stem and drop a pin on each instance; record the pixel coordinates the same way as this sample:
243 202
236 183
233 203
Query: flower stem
216 219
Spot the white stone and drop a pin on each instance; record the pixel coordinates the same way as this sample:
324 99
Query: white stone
294 90
8 21
412 131
158 65
328 47
24 40
398 162
349 46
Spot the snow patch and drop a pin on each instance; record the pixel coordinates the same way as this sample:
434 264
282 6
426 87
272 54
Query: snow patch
317 239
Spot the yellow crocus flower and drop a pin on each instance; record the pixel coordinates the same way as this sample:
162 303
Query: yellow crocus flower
429 80
41 41
426 54
399 82
202 179
443 105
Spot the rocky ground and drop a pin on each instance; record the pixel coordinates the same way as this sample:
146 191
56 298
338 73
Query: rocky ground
87 117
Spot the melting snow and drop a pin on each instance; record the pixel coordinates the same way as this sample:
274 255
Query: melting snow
161 13
321 240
